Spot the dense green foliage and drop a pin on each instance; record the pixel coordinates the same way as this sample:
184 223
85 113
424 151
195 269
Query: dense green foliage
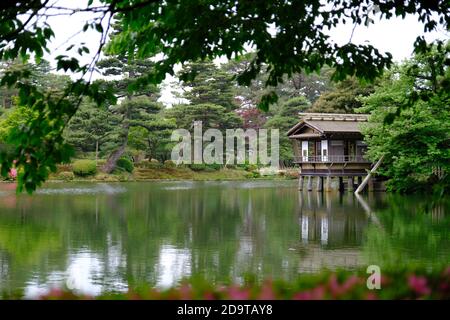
169 164
84 167
344 98
211 115
92 128
211 85
284 53
125 164
410 123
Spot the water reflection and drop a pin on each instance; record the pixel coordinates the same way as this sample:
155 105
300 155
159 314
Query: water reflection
331 230
97 237
173 265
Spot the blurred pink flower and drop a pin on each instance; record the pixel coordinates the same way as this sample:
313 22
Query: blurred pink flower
13 173
337 290
235 293
54 293
208 295
371 296
350 283
317 293
185 292
419 285
267 291
333 284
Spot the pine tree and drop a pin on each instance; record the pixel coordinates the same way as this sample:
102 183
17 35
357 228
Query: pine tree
344 98
211 85
138 109
91 127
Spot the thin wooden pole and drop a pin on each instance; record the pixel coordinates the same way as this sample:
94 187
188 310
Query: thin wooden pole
366 179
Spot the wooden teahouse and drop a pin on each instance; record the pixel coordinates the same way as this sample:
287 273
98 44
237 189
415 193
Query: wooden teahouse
330 145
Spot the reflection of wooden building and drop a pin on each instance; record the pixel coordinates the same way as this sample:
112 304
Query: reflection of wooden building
329 145
331 232
332 220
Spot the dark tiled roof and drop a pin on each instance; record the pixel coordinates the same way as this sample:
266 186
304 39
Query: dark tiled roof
335 126
330 122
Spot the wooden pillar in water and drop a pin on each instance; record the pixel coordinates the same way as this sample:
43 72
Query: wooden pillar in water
341 184
359 181
351 184
300 182
309 186
328 184
320 184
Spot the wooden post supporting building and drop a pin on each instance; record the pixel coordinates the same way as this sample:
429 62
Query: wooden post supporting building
328 184
300 182
309 183
320 184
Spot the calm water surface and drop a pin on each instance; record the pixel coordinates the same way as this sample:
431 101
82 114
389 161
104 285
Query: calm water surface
97 237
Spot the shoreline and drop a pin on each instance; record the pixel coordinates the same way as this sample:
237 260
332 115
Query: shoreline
169 175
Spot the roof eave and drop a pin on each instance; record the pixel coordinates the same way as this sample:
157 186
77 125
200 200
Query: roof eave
303 123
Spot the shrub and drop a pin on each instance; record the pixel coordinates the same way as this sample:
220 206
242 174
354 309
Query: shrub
214 166
205 167
250 167
153 164
123 177
198 167
125 164
169 164
253 175
84 168
66 175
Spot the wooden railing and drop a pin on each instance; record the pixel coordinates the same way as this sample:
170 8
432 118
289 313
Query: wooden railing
332 158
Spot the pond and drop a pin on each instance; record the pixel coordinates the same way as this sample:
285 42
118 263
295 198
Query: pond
96 237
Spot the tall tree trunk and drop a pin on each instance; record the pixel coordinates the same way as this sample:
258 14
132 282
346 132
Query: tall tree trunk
110 164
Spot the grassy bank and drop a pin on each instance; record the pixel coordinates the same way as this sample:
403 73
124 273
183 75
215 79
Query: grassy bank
64 173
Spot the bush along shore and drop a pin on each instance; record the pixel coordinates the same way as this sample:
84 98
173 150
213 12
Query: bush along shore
126 170
339 285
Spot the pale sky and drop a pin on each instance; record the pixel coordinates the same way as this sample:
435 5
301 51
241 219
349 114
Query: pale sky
395 36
